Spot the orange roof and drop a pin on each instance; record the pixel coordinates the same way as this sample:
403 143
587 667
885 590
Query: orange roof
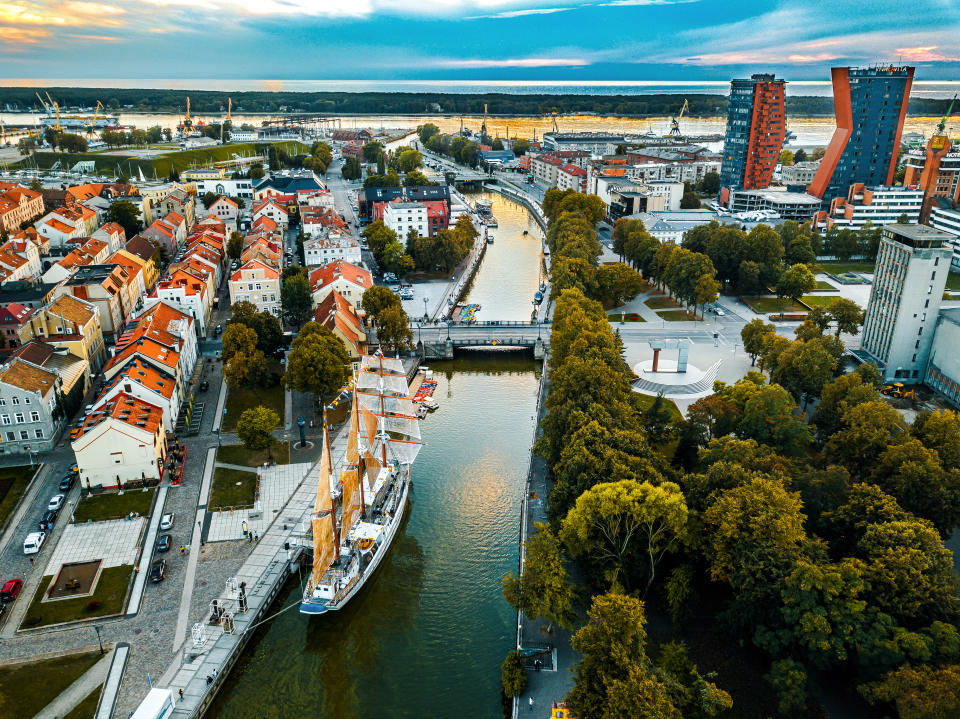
270 273
146 346
28 377
127 409
144 373
127 261
84 192
72 309
323 276
58 225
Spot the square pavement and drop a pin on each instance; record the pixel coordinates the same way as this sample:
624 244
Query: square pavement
116 542
277 485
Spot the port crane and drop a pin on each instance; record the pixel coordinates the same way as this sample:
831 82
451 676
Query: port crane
942 126
96 113
675 121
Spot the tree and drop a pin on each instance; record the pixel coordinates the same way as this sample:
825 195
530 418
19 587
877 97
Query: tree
266 325
209 198
613 678
799 156
292 271
705 291
255 428
512 676
867 430
235 245
920 692
371 151
818 153
753 335
768 417
940 431
237 338
126 215
295 299
847 314
803 368
318 362
407 159
257 173
415 178
352 169
690 201
845 391
378 298
542 590
786 157
795 282
612 522
520 147
788 679
710 184
393 329
246 369
426 131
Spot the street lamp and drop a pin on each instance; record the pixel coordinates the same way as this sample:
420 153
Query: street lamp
99 640
425 314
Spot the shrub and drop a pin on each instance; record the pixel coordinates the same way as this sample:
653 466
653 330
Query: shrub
512 675
32 621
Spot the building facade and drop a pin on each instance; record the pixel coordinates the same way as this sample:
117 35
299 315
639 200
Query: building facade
874 205
910 275
870 106
28 400
936 171
756 129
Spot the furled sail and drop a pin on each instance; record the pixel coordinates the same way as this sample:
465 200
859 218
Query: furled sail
386 383
350 474
324 544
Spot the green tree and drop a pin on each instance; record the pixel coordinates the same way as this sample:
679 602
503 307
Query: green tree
237 338
803 368
520 147
710 184
266 325
318 362
867 430
255 428
689 692
615 522
768 417
844 392
788 679
371 151
690 201
235 245
705 291
126 215
912 473
918 692
378 298
295 299
246 369
209 198
940 431
512 676
795 282
426 131
351 170
847 314
415 178
393 329
753 335
799 156
786 157
542 590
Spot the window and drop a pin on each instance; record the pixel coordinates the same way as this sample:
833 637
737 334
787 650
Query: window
16 400
3 402
24 434
11 436
26 400
39 434
18 418
6 419
34 416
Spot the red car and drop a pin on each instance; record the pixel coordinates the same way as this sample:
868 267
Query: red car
11 589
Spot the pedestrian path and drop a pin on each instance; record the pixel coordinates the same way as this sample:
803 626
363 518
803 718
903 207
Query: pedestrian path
276 486
64 703
149 542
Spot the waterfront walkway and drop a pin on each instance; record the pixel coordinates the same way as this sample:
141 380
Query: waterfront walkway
554 680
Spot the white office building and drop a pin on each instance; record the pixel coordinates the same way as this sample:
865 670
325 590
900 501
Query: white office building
948 220
401 217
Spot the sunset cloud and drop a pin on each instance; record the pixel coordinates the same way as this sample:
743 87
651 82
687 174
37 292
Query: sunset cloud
516 62
924 54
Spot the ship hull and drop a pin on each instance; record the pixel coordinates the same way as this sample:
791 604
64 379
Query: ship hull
390 533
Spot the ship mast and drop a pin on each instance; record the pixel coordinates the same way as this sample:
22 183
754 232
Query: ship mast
333 509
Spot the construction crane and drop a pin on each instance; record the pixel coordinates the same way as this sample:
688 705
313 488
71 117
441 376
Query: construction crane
483 126
43 102
943 122
553 116
93 122
675 121
187 120
229 109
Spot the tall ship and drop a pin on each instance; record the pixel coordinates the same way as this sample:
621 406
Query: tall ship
362 497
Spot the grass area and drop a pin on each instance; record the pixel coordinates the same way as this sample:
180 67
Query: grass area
625 317
819 300
679 316
13 483
645 400
764 305
28 688
161 164
824 285
106 601
239 400
953 281
662 303
238 454
112 505
232 488
836 268
88 707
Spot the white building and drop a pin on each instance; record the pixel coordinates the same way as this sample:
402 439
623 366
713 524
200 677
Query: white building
910 275
787 205
225 210
876 205
596 143
948 220
222 186
799 173
350 280
258 283
272 209
671 192
401 217
335 246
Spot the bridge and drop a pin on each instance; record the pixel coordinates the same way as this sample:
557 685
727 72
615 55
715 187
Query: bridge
440 340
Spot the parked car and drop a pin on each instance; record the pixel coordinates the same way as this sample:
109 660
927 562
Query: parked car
11 589
163 543
204 386
33 542
48 518
157 570
166 522
74 433
218 330
56 501
66 484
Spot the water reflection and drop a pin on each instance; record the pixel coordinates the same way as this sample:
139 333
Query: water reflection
427 635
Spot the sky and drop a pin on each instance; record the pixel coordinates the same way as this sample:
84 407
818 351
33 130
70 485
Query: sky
469 40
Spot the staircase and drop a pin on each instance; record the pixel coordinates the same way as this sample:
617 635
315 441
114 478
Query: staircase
700 387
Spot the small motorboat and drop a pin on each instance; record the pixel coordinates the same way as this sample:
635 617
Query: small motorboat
431 404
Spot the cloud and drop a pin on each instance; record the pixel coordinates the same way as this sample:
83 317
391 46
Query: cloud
98 38
72 13
636 3
515 62
924 54
758 57
20 35
522 13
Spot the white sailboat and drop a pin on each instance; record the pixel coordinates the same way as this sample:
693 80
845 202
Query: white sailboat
361 500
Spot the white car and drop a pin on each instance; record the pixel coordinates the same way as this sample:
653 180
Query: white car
720 312
33 542
56 501
166 522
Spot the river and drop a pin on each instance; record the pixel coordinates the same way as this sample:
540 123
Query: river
508 278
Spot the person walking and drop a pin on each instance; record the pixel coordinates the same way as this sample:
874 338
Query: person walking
531 703
181 694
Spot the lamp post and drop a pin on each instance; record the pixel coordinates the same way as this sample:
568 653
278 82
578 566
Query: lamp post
99 640
425 314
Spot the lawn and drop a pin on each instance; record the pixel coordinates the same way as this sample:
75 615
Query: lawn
13 483
232 488
112 505
764 305
239 400
678 316
28 688
662 303
836 268
238 454
110 594
625 317
819 300
88 707
953 281
824 285
645 400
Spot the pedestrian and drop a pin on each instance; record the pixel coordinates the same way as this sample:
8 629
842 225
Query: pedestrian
256 536
531 703
181 694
